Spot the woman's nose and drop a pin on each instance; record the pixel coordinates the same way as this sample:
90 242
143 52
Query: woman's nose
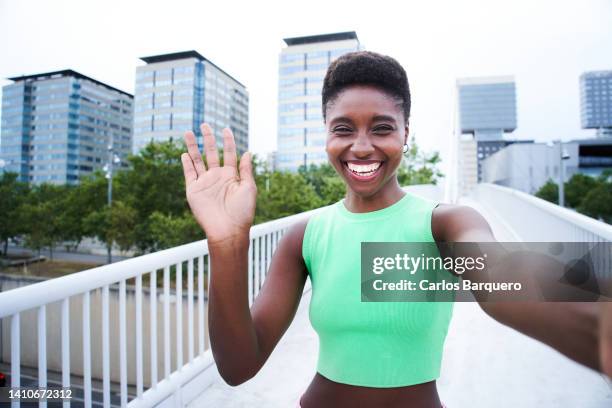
362 145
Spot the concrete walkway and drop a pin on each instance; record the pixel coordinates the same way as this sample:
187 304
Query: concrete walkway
485 364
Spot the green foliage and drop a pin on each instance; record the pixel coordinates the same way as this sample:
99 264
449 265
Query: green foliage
169 231
325 181
12 196
577 188
41 216
114 225
286 194
154 182
419 167
549 192
598 202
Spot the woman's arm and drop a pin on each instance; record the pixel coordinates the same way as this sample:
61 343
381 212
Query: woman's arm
574 329
223 202
243 339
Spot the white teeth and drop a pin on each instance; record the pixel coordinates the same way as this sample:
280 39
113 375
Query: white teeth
365 170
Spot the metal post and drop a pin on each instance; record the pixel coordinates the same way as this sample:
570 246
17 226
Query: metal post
561 176
109 175
112 160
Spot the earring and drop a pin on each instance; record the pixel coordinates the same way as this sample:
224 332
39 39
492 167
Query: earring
405 149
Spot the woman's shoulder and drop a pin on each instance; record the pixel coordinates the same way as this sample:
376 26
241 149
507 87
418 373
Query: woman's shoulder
448 220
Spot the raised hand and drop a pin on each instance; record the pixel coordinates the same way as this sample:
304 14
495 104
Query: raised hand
221 198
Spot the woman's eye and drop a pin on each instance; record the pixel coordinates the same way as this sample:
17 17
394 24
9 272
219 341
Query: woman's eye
383 129
342 130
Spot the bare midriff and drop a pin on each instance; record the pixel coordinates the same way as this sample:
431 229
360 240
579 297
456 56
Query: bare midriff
323 393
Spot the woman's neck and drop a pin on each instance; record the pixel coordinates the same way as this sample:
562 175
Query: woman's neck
388 195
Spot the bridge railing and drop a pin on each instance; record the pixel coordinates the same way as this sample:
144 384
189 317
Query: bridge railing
537 220
49 304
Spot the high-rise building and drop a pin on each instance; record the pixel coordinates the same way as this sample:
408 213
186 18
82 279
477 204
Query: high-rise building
467 164
179 91
487 106
58 126
596 101
487 110
302 67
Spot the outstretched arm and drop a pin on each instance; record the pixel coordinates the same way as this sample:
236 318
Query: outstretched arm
222 200
581 331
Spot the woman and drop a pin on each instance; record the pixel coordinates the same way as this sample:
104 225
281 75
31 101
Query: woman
371 354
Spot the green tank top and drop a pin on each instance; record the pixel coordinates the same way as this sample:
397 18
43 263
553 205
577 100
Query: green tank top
373 344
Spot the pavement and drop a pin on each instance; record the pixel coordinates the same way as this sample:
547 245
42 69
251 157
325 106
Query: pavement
485 364
62 255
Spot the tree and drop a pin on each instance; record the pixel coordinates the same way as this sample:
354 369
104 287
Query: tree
419 167
42 216
287 194
549 192
333 190
598 203
12 196
88 197
169 231
577 188
114 225
154 182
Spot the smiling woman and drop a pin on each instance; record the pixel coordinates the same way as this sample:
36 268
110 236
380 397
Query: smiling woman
371 354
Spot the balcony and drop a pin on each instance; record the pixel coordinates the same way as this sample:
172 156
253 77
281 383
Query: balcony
134 333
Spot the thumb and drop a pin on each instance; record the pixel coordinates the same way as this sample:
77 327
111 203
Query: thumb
246 169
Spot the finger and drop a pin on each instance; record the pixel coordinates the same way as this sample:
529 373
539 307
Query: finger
194 153
246 169
210 146
605 339
189 170
229 148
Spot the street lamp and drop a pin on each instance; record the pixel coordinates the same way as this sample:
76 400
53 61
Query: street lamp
113 159
563 155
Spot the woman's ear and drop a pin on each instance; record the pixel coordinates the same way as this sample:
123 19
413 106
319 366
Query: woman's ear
407 131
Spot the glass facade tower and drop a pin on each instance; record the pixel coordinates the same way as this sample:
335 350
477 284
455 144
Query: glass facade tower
302 67
487 110
57 126
177 92
596 101
487 106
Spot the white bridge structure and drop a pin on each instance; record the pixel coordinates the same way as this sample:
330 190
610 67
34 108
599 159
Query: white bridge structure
134 333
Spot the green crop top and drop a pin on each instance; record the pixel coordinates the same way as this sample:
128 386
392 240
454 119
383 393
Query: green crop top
373 344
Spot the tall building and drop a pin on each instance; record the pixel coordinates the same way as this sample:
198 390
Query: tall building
467 165
302 67
179 91
596 101
487 110
58 126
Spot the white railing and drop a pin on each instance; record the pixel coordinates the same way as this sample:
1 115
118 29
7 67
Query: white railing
192 356
178 365
537 220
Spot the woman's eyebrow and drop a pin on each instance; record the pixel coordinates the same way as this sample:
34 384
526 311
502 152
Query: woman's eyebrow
343 119
383 118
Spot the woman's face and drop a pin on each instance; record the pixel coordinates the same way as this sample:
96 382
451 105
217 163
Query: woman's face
366 133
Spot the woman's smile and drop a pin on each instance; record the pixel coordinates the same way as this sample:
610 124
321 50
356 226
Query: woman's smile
363 170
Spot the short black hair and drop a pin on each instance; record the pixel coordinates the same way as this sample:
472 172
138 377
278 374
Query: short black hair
366 68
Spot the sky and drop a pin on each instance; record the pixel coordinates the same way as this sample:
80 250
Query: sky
544 44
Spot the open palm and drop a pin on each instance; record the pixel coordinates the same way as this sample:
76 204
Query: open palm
222 198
